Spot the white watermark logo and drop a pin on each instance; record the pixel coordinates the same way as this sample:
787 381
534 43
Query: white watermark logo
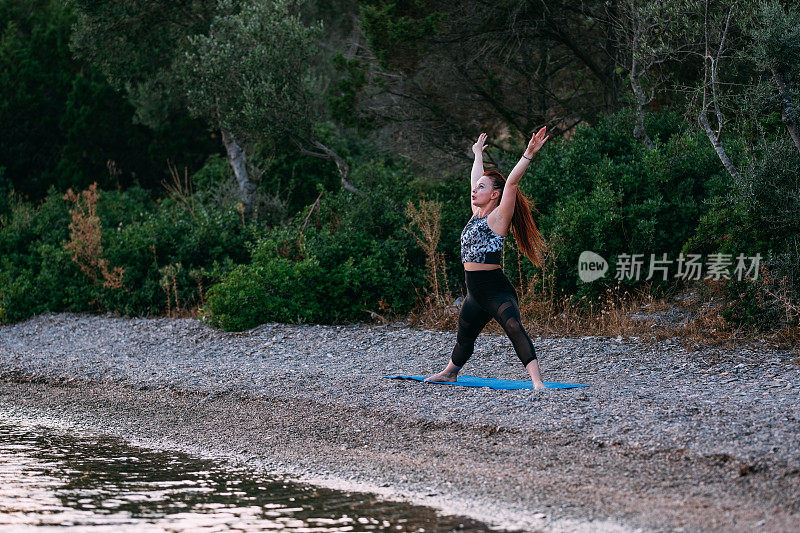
592 266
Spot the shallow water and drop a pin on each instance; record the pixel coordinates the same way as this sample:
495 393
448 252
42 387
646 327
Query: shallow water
53 479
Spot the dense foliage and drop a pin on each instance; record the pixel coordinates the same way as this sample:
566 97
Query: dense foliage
289 201
151 242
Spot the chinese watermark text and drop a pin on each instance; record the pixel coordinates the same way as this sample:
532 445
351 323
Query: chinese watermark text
717 266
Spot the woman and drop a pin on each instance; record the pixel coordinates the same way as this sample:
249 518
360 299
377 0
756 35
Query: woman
497 204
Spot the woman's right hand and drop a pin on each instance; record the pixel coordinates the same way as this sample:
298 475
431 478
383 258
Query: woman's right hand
479 147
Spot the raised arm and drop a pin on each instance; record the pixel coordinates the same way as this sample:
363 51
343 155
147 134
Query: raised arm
535 143
477 165
505 211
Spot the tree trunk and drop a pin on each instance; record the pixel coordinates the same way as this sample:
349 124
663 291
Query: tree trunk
341 164
723 156
541 73
610 44
638 130
238 159
327 153
788 113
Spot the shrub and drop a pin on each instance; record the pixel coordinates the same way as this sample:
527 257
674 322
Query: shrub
85 236
137 235
35 270
759 214
351 260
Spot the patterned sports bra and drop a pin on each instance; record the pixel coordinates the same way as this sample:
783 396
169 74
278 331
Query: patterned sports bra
479 244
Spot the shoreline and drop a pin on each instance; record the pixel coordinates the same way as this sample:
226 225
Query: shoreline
45 404
632 452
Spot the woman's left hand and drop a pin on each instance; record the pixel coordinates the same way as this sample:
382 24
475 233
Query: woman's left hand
537 141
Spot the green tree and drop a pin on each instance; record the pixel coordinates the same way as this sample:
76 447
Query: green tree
138 47
250 75
775 49
35 75
241 66
649 36
61 122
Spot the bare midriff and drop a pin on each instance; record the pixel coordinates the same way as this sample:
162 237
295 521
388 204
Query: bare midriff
469 265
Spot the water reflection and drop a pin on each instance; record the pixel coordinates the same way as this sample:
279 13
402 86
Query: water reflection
51 479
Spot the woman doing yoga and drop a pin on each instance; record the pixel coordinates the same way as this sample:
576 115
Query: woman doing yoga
497 204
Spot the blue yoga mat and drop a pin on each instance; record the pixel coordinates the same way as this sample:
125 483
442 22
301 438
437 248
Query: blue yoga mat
494 383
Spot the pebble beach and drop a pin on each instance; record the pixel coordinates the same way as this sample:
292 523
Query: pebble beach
663 439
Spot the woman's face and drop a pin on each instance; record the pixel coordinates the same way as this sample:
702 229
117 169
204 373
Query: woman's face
482 193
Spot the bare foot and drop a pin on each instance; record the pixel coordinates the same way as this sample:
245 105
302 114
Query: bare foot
448 375
535 374
445 377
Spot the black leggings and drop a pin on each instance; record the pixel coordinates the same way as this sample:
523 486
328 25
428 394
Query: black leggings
490 295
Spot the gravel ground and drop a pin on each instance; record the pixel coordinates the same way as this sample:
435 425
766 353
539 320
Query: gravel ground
663 439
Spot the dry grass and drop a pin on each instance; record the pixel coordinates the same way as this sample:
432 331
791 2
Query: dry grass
190 307
85 238
426 219
180 188
425 226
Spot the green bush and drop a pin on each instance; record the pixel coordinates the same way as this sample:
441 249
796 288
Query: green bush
758 214
153 242
601 190
35 271
211 242
276 291
354 257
